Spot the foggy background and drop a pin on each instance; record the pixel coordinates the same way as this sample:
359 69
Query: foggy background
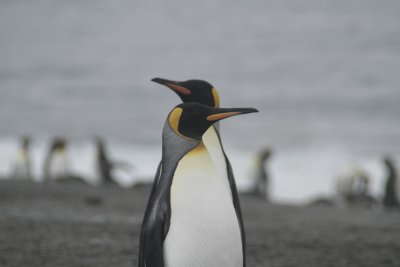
324 75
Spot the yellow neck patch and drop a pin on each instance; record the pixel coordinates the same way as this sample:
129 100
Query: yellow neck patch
216 98
200 148
174 118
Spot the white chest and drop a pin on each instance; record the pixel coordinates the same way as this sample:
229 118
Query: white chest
212 143
58 166
204 229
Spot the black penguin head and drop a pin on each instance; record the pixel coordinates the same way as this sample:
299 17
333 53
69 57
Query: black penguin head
265 153
59 144
193 91
388 161
100 144
191 120
25 142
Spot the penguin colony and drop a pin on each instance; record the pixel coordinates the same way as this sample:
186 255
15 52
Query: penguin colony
193 215
352 188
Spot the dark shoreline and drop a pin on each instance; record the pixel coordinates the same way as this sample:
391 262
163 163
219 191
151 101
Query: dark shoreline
77 225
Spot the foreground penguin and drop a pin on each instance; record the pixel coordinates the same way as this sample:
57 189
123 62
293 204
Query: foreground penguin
202 92
191 218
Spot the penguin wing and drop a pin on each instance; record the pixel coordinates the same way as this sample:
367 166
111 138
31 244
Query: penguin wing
151 246
235 197
236 204
153 230
155 182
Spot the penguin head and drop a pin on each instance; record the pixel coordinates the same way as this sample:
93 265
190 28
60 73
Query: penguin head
193 91
25 142
191 120
59 144
388 161
265 153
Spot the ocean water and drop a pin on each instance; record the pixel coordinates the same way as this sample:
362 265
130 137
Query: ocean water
324 75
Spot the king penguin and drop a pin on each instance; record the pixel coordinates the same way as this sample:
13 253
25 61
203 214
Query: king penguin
56 162
260 175
104 167
202 92
391 199
22 167
191 218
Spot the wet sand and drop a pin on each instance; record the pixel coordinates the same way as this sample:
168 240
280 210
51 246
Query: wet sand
77 225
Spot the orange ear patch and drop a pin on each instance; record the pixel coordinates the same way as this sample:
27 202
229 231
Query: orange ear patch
179 89
220 116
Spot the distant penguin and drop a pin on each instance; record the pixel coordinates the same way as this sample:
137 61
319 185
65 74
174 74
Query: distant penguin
261 179
23 163
56 162
202 92
191 218
391 198
104 167
353 188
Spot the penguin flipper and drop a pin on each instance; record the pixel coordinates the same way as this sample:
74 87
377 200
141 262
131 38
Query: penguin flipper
156 181
236 204
151 246
147 224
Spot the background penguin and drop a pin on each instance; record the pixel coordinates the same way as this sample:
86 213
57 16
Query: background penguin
56 162
103 164
202 92
191 218
260 175
23 163
108 169
391 200
57 165
352 188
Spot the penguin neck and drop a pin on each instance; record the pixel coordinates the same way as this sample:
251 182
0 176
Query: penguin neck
198 168
174 147
261 166
391 170
212 142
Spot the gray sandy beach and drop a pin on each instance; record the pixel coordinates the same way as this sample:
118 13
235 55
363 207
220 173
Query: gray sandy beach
77 225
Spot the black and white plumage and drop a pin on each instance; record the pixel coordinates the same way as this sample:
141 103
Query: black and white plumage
202 92
191 218
392 194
